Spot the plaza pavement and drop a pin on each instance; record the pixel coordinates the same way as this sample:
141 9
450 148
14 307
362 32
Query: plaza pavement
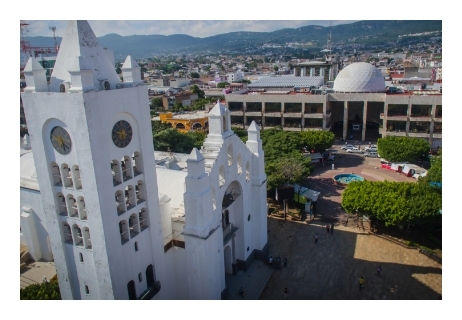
331 268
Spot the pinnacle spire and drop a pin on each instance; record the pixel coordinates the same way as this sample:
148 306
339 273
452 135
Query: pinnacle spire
80 41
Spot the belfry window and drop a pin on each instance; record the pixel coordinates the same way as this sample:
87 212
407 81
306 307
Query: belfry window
72 206
77 180
77 234
137 164
67 176
247 171
61 201
239 164
133 225
126 165
221 174
82 209
143 219
130 197
67 233
57 181
230 155
86 238
140 192
116 175
120 202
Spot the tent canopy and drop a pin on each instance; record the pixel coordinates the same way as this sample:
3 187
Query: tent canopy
307 193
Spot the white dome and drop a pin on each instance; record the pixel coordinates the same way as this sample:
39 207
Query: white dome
359 77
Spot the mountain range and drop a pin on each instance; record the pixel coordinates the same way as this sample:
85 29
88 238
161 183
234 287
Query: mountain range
314 37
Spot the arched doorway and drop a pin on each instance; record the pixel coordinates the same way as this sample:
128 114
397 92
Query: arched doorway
233 222
228 260
150 275
131 290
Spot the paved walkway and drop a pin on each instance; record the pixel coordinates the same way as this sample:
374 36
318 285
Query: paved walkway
253 281
331 268
34 272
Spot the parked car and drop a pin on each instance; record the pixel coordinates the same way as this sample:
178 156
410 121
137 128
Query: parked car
372 147
354 150
347 146
371 154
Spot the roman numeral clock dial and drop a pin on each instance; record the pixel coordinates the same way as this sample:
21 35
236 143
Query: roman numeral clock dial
122 134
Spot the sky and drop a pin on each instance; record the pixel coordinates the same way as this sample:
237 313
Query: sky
195 28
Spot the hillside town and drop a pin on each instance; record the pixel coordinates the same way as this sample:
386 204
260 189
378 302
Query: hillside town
291 141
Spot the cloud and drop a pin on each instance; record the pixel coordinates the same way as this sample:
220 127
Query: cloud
195 28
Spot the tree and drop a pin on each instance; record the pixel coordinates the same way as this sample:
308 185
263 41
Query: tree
318 140
195 75
197 138
200 93
435 173
276 68
118 71
222 84
43 291
173 139
158 126
394 203
289 169
393 148
156 104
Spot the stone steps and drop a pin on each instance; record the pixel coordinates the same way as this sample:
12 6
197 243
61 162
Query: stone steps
25 282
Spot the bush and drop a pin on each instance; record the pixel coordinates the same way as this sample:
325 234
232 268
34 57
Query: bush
43 291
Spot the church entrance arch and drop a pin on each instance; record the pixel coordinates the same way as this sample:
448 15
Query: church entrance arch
233 220
228 260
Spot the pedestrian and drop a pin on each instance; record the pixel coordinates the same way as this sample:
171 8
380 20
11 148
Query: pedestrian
332 228
285 262
361 283
316 237
327 228
379 269
270 260
286 293
242 293
346 142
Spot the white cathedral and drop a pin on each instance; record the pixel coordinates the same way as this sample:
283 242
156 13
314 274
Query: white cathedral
93 200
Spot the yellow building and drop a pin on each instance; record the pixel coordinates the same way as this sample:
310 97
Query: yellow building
196 121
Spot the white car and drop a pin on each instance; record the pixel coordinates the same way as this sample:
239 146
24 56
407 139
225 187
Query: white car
372 154
354 150
347 146
372 147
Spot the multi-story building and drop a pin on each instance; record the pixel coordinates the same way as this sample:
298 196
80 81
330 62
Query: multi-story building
359 108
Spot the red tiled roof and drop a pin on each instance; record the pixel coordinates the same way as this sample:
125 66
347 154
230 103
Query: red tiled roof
397 75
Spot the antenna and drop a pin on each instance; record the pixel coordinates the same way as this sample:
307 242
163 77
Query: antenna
54 36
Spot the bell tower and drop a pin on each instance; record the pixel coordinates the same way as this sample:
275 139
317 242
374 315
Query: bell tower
91 140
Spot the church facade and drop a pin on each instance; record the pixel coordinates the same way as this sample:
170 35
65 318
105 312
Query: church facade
93 199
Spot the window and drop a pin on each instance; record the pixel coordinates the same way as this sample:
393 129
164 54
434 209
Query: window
230 155
222 176
140 277
131 290
136 247
247 171
81 257
123 229
87 290
137 165
56 175
239 164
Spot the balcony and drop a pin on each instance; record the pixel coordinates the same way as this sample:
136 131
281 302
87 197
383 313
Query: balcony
228 233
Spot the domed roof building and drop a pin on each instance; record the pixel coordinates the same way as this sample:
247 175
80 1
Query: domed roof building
360 77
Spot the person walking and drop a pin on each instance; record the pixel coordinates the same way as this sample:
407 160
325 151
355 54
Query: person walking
361 283
285 262
327 228
332 228
316 237
286 293
270 260
242 293
379 269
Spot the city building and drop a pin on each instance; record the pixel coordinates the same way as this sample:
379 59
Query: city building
358 107
94 199
197 121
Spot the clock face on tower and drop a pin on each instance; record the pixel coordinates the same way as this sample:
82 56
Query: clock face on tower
122 134
61 140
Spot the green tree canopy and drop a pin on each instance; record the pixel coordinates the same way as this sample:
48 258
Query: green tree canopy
318 140
435 173
290 169
394 203
173 139
195 75
222 84
158 126
200 93
394 148
43 291
156 104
